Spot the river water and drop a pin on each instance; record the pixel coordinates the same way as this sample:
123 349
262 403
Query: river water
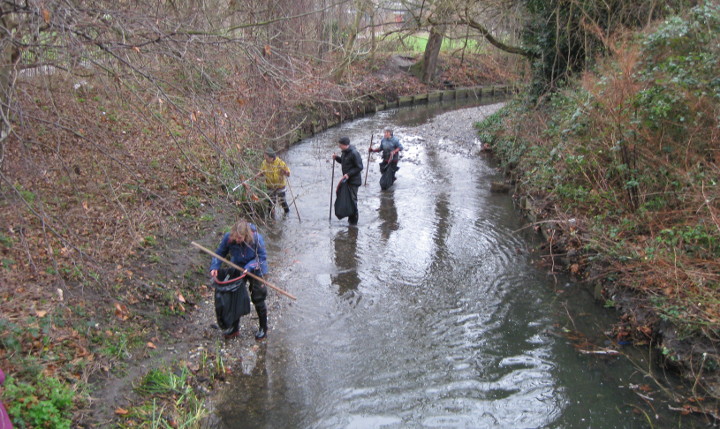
433 312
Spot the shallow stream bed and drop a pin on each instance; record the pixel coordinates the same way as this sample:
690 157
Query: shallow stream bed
434 311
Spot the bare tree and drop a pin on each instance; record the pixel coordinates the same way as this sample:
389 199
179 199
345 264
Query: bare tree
9 56
197 83
437 33
358 12
492 21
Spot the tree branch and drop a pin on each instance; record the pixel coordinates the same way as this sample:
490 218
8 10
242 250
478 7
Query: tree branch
495 42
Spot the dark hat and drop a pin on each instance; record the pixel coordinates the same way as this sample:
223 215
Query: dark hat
344 141
270 152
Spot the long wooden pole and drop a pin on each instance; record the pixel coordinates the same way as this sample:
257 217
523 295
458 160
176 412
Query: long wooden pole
332 182
367 167
235 188
245 181
294 203
260 279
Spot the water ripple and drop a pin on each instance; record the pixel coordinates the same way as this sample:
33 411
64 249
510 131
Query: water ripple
427 314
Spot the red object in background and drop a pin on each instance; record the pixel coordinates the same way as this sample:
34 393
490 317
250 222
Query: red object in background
5 422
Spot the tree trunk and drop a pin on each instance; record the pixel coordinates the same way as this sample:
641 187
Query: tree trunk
349 45
373 42
432 50
324 33
9 56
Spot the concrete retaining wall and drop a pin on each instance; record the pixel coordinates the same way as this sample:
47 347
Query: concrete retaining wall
318 125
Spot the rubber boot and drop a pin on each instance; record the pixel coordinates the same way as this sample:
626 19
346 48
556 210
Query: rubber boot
234 331
261 309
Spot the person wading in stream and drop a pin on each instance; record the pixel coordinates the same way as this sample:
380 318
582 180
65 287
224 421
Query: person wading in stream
390 147
275 171
352 167
246 248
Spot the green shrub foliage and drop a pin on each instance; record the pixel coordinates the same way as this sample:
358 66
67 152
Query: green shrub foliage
567 36
632 148
44 403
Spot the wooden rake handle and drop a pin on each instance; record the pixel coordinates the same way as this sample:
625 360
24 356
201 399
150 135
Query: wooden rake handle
260 279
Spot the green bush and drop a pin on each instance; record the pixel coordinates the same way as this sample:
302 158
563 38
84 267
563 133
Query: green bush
44 403
11 338
492 131
631 151
696 240
680 70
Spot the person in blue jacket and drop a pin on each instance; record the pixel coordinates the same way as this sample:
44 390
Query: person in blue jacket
246 248
390 147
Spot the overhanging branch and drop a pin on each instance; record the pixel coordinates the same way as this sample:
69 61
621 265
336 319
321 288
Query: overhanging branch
495 42
465 20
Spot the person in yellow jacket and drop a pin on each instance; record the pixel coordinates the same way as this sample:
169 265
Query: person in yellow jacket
275 171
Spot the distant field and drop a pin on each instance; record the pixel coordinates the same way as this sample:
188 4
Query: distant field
418 42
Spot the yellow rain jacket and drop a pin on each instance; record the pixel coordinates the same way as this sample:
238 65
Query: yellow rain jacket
274 173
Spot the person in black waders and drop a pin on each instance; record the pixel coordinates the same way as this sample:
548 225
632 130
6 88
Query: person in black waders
246 248
390 147
352 167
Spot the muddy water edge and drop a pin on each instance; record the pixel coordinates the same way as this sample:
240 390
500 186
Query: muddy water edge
434 310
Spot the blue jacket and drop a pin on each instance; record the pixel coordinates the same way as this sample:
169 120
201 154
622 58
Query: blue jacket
389 145
249 257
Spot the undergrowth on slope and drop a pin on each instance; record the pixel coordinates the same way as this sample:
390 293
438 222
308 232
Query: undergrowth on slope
629 152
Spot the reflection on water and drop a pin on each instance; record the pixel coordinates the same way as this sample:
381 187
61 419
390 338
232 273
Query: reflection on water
387 212
345 245
251 389
422 113
440 234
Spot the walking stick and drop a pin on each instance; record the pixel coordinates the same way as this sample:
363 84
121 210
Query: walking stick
368 163
332 181
294 203
260 279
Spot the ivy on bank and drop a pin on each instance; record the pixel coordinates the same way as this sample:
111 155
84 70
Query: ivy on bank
630 150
